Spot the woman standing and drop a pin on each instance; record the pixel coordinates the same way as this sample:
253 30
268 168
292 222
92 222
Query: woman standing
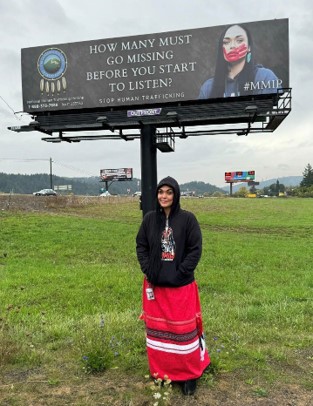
169 244
236 73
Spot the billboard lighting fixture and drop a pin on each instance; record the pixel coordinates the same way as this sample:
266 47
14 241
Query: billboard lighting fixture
105 122
125 137
34 123
54 140
252 110
122 135
102 119
174 115
68 139
183 133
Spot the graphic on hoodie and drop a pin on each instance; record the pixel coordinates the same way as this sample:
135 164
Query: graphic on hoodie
167 244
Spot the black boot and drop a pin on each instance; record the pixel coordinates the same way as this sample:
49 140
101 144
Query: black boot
189 387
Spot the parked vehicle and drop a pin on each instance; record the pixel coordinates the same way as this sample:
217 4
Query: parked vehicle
105 194
45 192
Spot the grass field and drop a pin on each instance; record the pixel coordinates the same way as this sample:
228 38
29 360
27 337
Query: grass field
70 298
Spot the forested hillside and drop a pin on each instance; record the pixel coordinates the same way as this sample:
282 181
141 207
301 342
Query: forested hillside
27 184
80 186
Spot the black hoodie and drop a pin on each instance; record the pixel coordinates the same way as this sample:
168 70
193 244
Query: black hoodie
186 243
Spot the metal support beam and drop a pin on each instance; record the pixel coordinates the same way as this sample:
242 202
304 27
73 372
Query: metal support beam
148 168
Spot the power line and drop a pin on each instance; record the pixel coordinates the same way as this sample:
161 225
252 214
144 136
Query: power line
7 104
74 169
24 159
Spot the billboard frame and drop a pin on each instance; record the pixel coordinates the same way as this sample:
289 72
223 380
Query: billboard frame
243 115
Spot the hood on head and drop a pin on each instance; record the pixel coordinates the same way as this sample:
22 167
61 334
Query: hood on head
169 181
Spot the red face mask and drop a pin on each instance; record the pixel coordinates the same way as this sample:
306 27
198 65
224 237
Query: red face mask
236 53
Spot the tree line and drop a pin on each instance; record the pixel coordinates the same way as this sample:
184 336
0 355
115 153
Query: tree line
92 186
27 184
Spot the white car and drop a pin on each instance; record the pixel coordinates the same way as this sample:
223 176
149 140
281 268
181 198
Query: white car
106 194
45 192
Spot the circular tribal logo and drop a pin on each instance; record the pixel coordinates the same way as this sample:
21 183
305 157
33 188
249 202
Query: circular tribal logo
52 64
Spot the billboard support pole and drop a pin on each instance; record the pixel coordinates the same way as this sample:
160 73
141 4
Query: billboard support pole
148 168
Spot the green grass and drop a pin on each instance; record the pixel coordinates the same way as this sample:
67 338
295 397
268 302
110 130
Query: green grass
70 289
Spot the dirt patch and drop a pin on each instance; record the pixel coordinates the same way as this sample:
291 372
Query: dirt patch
31 203
33 389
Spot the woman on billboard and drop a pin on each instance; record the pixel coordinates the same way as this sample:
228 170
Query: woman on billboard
236 73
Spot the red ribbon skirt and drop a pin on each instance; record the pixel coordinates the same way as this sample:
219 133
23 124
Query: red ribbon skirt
174 333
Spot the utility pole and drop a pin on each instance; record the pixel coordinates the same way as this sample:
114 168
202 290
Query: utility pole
51 183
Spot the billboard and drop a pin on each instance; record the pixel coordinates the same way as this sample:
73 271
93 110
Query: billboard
240 176
116 174
154 69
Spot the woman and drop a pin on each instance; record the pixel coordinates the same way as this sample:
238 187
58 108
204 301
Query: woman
236 73
169 245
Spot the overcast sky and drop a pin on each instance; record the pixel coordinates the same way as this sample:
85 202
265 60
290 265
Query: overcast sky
29 23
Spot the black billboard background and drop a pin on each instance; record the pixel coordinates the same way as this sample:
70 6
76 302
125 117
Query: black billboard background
189 60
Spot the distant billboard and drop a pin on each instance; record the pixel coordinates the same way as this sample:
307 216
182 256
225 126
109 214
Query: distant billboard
116 174
63 187
157 68
240 176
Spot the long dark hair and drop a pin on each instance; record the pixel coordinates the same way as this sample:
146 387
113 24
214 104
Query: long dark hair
221 68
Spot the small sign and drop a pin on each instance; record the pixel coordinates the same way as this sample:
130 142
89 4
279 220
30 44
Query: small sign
63 187
144 112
